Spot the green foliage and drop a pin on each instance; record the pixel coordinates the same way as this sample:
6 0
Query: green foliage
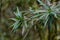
50 13
30 19
18 20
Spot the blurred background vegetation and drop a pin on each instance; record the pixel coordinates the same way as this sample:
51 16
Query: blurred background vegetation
8 7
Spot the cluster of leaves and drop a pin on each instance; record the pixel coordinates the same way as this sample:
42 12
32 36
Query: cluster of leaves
49 14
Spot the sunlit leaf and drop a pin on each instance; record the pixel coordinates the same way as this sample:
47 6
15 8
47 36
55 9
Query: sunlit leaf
41 3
